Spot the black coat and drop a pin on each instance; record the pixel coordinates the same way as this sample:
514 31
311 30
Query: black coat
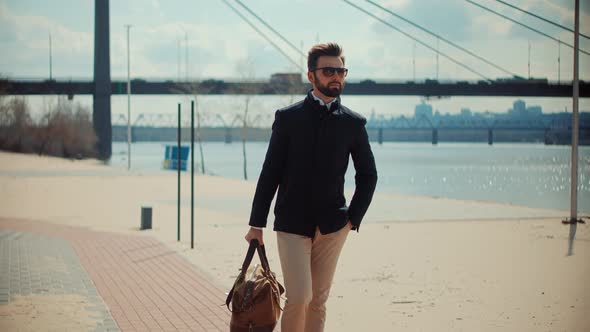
307 158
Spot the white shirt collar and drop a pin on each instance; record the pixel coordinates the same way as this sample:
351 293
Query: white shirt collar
321 101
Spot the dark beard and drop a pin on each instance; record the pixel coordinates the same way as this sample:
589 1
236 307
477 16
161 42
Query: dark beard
329 92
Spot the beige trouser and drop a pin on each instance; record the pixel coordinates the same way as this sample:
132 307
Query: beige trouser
308 269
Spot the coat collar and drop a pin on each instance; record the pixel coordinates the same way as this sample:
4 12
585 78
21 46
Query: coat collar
313 104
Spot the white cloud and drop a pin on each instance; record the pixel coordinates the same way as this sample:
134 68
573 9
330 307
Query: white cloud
566 15
33 32
395 4
156 4
488 26
218 39
29 47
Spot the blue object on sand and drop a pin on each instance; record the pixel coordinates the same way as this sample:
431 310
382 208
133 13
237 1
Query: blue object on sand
171 157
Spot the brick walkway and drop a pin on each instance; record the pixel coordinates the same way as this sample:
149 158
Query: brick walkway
145 285
46 271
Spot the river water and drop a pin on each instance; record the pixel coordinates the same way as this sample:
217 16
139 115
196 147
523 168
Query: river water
532 175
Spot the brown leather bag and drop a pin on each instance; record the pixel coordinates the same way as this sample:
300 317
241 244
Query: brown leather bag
256 295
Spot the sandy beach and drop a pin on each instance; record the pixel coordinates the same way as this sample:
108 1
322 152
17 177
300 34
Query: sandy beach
417 264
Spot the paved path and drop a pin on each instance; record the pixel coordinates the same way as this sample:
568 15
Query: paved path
133 283
41 273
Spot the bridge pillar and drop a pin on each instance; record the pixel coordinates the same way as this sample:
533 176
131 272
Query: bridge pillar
490 136
228 137
547 137
434 136
101 115
380 136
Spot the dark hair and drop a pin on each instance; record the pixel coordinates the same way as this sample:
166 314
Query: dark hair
329 49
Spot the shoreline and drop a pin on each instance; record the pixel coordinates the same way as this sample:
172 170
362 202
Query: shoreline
486 174
99 168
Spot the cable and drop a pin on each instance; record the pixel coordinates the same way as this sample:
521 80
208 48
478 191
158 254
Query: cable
417 40
442 38
263 35
526 26
541 18
270 28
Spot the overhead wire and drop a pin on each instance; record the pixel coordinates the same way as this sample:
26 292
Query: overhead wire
526 26
540 18
442 38
263 35
270 28
416 39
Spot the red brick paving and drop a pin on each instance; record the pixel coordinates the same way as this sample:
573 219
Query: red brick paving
146 286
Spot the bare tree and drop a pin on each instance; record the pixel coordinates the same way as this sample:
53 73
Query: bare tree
199 134
15 122
196 88
64 130
245 134
246 70
43 134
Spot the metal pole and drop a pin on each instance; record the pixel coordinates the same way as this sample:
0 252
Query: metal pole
559 62
186 53
437 59
576 88
302 60
529 61
199 139
50 59
178 182
414 63
128 102
192 174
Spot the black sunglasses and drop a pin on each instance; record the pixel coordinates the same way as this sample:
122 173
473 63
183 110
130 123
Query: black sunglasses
330 71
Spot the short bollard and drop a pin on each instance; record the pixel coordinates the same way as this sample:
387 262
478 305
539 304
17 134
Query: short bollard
146 218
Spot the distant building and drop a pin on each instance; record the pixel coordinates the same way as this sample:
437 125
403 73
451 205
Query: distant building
466 113
520 110
286 78
534 110
423 110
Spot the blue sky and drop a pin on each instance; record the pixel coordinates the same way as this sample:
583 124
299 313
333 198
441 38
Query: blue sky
221 45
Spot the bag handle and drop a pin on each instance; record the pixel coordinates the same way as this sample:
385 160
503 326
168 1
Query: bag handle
266 267
254 246
262 257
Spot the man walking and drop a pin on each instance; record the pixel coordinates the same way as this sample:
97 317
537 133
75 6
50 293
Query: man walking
306 160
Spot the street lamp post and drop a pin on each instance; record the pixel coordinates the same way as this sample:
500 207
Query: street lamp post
50 59
179 59
575 118
186 52
128 102
574 220
186 71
